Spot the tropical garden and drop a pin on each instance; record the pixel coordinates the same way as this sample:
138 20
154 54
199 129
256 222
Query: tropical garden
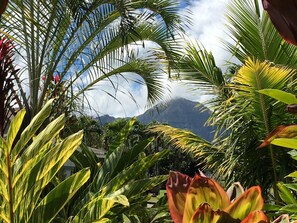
53 52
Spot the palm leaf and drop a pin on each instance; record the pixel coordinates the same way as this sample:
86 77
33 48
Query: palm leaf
255 36
74 37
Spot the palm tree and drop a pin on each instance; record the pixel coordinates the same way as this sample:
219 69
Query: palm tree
67 47
242 115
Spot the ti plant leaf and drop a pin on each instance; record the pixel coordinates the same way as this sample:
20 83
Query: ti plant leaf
30 162
280 132
177 188
202 200
284 18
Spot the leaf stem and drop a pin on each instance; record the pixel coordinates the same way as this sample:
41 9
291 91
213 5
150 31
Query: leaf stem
10 191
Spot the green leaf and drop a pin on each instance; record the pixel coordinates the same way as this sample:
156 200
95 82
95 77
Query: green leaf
32 128
100 207
293 175
139 186
290 208
286 194
14 129
284 142
280 95
122 136
54 201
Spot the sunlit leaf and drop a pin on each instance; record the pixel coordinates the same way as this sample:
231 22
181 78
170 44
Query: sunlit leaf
284 142
286 194
280 95
54 201
205 214
256 217
251 200
281 132
204 190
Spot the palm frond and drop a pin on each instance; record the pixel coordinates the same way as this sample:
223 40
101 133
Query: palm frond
70 38
253 35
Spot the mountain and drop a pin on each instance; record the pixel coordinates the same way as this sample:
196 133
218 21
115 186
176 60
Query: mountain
179 113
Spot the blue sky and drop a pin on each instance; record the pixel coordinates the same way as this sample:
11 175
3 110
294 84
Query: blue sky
208 27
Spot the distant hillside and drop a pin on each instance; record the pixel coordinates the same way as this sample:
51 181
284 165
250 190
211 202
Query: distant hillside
179 113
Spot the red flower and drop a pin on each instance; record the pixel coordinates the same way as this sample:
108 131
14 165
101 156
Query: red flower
283 15
56 78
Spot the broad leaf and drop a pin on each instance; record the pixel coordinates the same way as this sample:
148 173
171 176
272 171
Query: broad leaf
54 201
32 128
280 132
280 95
286 194
204 190
283 17
256 217
284 142
251 200
177 187
204 214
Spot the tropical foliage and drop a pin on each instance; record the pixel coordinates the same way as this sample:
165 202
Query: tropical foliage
202 199
243 116
87 42
8 98
30 163
284 18
120 178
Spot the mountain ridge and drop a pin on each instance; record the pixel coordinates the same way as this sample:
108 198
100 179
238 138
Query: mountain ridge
179 113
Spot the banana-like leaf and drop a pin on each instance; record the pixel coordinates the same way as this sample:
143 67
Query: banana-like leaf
280 95
137 187
14 129
133 171
30 166
131 155
54 201
251 200
284 142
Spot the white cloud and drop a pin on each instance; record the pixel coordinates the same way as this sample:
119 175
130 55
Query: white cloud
125 105
208 28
